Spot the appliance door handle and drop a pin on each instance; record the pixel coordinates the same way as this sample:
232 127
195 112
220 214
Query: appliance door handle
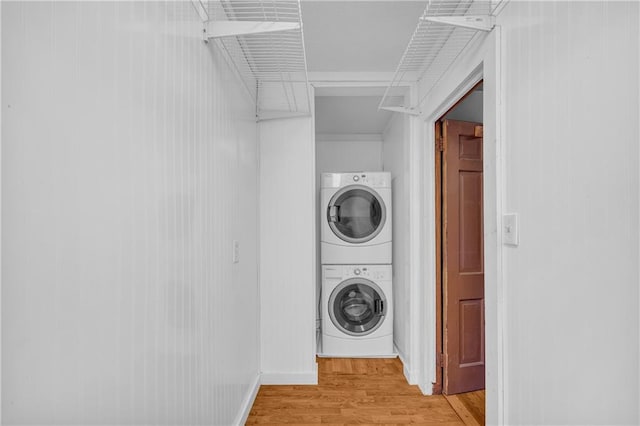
378 306
334 213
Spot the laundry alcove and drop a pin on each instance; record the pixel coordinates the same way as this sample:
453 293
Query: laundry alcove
353 135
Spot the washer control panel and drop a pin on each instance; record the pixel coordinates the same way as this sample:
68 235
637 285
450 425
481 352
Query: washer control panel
371 272
372 179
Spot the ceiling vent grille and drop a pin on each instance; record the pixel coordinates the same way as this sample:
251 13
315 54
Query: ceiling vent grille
444 30
264 42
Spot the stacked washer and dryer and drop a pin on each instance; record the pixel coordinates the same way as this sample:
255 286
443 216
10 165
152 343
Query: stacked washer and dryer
355 252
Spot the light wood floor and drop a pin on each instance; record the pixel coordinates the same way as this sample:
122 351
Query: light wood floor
363 391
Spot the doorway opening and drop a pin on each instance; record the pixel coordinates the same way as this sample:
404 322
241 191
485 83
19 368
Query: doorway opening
460 318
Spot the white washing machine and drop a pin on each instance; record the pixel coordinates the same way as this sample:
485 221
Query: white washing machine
357 311
355 216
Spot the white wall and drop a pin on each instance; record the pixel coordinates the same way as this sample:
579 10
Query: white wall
348 154
395 149
287 251
571 140
564 303
129 166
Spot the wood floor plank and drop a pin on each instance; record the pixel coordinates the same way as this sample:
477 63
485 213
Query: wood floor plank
469 406
475 403
358 391
462 411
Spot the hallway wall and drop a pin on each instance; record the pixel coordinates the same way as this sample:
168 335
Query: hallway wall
287 251
571 155
561 317
129 166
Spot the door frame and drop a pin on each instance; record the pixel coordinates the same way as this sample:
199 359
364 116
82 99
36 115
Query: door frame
438 164
480 61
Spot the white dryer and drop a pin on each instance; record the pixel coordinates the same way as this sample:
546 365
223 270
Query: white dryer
355 216
357 311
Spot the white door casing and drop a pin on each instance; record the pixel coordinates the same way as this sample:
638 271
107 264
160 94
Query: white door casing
480 61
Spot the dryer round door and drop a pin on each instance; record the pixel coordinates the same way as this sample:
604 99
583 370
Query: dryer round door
357 307
356 214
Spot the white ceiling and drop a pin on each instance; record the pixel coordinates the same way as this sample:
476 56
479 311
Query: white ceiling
348 115
353 36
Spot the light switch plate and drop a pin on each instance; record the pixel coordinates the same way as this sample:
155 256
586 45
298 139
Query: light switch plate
510 232
236 251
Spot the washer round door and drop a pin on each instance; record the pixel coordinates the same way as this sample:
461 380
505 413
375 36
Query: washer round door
356 214
357 307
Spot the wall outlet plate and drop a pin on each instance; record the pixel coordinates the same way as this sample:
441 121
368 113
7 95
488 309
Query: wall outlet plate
510 234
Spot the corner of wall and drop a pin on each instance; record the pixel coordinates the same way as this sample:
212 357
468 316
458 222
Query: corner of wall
409 374
247 402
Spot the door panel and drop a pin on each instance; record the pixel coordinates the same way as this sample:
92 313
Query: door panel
470 202
463 258
471 319
470 148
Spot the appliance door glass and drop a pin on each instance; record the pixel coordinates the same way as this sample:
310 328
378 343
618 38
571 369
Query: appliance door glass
356 214
357 307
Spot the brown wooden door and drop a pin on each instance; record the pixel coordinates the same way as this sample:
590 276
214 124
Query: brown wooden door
463 257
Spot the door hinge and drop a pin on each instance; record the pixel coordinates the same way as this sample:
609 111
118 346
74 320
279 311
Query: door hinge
440 360
440 144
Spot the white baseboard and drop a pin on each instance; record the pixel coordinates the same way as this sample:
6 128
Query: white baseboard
426 390
323 355
275 378
245 408
412 376
406 368
310 378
